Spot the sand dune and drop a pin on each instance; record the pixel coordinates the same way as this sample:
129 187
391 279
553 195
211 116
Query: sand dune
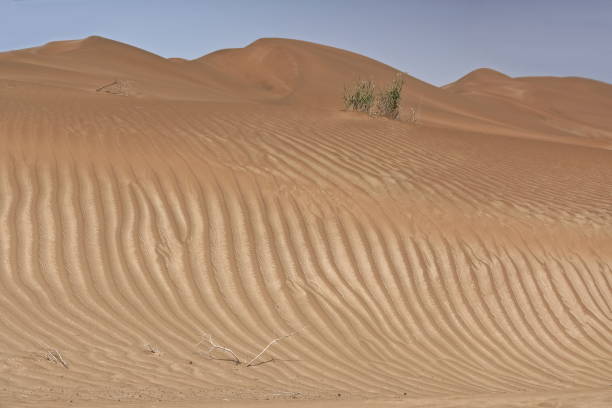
576 106
460 261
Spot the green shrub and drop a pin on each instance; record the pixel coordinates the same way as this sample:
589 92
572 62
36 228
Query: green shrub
360 96
388 101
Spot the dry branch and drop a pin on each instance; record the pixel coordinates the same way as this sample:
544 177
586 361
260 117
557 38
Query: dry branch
214 346
276 340
235 358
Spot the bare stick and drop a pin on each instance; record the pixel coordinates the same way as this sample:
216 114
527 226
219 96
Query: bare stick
269 345
106 86
214 346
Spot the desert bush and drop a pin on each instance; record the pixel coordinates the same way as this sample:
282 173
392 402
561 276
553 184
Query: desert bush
388 101
359 96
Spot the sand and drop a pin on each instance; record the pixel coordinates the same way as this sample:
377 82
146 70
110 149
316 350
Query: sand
460 256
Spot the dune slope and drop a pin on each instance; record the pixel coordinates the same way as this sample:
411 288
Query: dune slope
145 202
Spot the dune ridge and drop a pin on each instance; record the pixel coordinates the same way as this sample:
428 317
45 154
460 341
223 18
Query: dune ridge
464 256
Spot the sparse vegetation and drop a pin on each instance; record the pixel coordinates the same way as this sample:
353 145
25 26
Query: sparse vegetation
388 101
361 97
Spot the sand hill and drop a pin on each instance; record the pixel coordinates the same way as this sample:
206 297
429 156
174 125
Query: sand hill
460 261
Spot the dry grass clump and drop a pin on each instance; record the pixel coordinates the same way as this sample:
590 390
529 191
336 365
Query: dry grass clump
361 97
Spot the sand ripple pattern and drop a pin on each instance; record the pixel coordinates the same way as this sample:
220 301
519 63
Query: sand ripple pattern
409 266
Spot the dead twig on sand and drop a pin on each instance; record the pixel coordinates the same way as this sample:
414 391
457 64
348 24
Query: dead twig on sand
276 340
214 346
55 356
253 362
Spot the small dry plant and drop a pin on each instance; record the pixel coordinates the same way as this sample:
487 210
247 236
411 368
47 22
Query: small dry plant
233 357
55 356
414 114
152 349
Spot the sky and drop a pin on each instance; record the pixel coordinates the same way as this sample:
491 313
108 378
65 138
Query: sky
437 41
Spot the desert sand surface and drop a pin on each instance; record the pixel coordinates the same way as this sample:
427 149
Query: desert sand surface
460 256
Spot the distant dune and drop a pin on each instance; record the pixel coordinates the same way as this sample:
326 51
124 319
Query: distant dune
460 256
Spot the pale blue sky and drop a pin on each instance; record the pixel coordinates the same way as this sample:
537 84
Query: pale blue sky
435 40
